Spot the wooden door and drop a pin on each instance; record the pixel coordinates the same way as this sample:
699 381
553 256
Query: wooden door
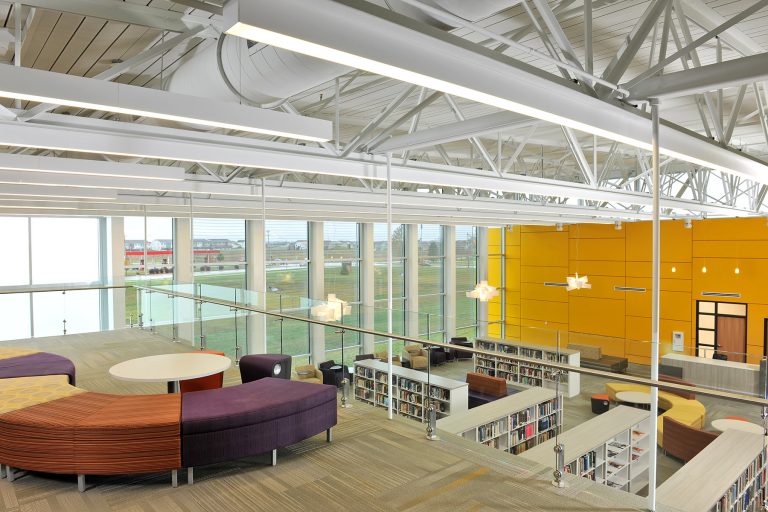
732 337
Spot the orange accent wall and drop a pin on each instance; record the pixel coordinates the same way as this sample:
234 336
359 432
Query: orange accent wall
620 321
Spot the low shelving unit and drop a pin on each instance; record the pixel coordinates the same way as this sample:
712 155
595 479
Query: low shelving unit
411 390
527 374
727 475
513 424
611 449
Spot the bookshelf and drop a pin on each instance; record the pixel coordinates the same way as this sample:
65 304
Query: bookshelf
729 475
527 374
611 449
410 392
513 424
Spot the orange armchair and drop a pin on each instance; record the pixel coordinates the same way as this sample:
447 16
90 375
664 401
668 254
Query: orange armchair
214 381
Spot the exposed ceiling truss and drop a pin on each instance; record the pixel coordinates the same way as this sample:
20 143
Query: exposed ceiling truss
483 165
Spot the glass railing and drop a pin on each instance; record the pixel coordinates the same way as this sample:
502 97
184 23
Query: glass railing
581 404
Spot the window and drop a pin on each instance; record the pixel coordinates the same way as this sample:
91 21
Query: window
156 245
50 251
466 278
342 277
287 283
380 282
721 329
431 283
219 271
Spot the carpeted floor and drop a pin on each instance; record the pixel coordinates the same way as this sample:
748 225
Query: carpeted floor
372 464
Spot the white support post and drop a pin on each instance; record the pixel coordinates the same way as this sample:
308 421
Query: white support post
389 287
482 274
412 280
367 296
316 287
655 282
449 280
256 281
117 271
182 274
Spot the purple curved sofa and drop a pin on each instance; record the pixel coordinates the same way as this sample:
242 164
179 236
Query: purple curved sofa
37 364
253 418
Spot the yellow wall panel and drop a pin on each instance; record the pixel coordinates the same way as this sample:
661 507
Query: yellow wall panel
602 288
675 241
512 236
597 268
610 249
512 332
595 231
756 316
669 270
543 229
494 271
608 345
541 275
512 276
603 317
494 241
513 252
731 229
544 310
750 282
675 306
544 333
730 249
537 291
548 249
512 297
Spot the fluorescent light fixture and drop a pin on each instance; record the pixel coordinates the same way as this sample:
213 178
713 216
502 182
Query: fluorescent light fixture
370 38
483 292
52 191
46 87
80 166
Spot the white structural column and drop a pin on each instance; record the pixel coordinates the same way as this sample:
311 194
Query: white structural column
117 271
449 281
256 281
367 296
184 309
412 279
482 274
316 287
655 283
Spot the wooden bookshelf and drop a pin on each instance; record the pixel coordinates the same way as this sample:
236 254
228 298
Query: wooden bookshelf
611 449
527 374
727 475
513 424
410 391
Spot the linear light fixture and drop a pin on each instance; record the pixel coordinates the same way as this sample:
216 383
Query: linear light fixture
9 190
46 164
74 91
370 38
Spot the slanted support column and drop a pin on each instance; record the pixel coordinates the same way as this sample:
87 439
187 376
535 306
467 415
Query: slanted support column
317 287
482 274
117 272
367 272
256 281
449 280
412 279
184 309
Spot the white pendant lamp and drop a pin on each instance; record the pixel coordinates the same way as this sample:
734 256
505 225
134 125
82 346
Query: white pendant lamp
483 292
332 310
577 283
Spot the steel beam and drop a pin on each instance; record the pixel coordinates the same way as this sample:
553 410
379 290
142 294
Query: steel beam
387 43
732 73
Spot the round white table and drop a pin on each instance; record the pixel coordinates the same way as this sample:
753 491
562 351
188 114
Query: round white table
634 397
170 368
725 424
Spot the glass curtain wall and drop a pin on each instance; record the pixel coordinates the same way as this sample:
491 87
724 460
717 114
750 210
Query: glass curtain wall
380 283
50 251
431 282
466 278
287 260
342 278
149 256
219 252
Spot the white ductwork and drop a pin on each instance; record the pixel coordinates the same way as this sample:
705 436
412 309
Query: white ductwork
233 69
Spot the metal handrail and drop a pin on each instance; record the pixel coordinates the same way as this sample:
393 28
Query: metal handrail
61 288
759 402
